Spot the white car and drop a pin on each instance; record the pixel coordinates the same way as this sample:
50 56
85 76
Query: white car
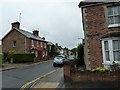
58 60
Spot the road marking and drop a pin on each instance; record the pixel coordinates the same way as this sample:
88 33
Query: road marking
24 86
47 85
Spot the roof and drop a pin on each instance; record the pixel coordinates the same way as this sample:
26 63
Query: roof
26 33
94 2
29 35
111 34
49 43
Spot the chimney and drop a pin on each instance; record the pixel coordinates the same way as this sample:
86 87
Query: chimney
43 38
36 32
56 44
16 25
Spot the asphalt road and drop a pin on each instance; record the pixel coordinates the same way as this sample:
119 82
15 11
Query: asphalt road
18 77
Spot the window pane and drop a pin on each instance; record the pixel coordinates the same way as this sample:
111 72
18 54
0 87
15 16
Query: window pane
119 45
110 11
116 19
107 56
106 45
119 10
115 45
111 20
116 55
116 10
119 19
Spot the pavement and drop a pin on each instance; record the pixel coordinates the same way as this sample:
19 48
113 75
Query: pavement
54 80
9 66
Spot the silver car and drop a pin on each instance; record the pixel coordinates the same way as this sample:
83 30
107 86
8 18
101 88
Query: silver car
58 60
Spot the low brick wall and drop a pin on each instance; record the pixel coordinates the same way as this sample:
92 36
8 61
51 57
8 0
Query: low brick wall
92 76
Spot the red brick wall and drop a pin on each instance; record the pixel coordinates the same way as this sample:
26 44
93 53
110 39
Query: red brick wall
40 50
95 21
7 42
84 76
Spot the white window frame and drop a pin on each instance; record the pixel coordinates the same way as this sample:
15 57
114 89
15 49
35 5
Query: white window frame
32 42
44 45
41 44
37 44
113 15
14 43
110 44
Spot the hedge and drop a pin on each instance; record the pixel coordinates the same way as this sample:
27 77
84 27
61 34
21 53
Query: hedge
23 57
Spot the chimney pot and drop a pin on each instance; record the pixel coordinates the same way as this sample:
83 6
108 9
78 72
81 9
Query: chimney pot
43 38
36 32
16 25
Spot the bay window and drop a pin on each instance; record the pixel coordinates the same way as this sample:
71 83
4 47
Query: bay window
111 51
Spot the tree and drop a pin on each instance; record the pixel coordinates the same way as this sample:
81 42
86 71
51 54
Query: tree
53 51
74 50
80 50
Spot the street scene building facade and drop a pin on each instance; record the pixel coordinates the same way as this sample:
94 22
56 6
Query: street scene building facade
101 24
23 41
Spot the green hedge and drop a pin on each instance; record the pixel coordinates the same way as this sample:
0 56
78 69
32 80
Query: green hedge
1 58
23 57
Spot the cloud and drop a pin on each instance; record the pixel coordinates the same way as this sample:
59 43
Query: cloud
58 22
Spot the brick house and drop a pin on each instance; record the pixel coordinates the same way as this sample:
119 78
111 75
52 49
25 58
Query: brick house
24 41
101 24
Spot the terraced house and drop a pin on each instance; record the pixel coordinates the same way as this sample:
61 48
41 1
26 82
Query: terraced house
101 23
24 41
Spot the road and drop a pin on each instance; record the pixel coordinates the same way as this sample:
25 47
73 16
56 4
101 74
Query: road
18 77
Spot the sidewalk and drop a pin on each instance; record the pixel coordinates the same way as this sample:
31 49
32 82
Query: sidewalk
54 80
9 66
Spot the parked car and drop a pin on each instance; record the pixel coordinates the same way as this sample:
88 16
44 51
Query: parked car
58 60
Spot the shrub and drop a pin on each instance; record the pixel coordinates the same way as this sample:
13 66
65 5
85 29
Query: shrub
114 66
99 69
3 61
23 57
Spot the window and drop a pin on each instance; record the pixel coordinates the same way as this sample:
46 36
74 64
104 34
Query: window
44 45
41 44
113 16
116 50
107 51
32 42
14 43
37 44
111 51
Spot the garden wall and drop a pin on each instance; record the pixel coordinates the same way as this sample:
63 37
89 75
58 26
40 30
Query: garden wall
72 75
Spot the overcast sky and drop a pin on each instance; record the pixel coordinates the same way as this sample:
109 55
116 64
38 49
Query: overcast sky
59 21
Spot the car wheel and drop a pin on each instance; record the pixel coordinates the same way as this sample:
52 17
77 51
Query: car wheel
54 64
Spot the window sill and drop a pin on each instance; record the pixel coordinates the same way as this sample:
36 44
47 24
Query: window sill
113 25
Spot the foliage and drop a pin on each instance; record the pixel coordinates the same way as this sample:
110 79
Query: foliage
1 58
3 61
23 57
53 51
114 66
99 69
10 54
80 50
74 50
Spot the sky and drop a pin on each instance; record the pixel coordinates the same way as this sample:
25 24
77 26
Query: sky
59 21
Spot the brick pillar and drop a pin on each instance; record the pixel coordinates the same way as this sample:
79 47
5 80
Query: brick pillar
67 71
